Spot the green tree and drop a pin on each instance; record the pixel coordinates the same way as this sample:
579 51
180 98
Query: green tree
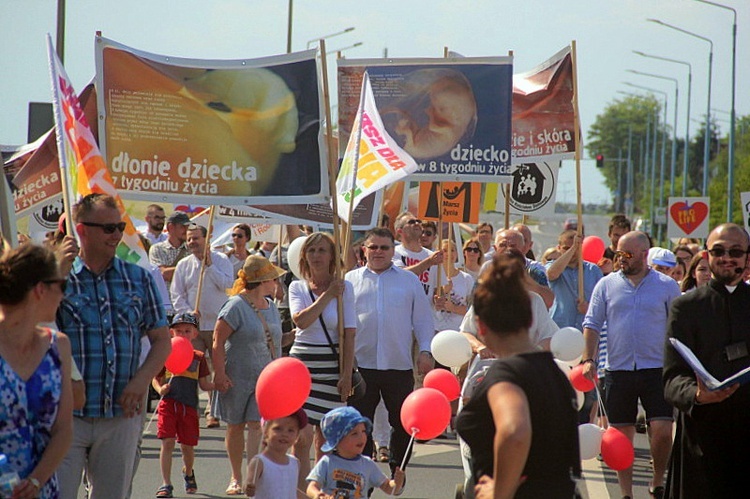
719 166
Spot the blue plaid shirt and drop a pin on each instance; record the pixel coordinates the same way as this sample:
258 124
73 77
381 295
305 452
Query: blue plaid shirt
105 317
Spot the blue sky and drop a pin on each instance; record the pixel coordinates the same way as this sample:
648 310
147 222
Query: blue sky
606 33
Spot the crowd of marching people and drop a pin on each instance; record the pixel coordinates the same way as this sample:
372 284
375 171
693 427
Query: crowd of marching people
86 339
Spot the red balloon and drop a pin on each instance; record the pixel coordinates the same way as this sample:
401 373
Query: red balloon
617 450
592 249
282 388
444 381
181 355
427 412
579 381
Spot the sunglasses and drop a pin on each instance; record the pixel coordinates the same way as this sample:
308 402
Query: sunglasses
427 233
623 254
238 235
107 228
414 221
381 247
733 253
471 249
62 282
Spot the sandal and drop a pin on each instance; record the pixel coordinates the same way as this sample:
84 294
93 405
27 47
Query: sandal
165 491
191 486
234 488
384 455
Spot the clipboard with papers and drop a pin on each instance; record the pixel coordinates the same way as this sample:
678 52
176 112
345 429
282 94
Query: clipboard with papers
711 383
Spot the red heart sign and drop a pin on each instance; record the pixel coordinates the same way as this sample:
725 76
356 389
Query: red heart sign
688 217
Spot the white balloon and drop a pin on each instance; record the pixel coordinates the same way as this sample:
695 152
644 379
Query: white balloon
451 348
580 398
564 367
293 254
567 344
589 440
574 362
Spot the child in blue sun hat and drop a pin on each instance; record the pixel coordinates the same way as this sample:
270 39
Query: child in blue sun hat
345 473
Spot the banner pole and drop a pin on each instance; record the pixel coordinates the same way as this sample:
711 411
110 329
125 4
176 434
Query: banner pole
206 251
577 134
506 189
332 163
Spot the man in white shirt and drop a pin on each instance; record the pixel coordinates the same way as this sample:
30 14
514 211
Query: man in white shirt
155 218
392 311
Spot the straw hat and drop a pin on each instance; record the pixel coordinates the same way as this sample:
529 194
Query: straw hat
257 268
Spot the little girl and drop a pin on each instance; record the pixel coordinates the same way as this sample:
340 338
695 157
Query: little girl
273 473
346 473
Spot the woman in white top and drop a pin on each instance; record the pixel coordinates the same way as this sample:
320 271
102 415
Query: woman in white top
452 302
312 303
241 234
473 257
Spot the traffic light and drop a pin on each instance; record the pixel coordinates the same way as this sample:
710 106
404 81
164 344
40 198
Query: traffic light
599 160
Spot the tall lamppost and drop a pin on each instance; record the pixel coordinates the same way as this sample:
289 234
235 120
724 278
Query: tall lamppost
326 37
687 126
344 48
730 169
674 129
707 138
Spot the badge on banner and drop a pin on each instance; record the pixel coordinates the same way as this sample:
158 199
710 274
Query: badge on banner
688 217
460 201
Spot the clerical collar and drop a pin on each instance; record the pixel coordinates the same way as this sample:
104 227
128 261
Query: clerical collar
731 288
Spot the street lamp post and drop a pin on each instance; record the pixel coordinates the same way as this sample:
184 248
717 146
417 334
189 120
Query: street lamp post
706 139
344 48
326 37
730 168
674 129
687 126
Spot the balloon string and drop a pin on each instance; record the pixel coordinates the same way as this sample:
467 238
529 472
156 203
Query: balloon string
602 411
406 455
156 412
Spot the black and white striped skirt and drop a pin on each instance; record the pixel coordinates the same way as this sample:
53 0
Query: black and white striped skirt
324 371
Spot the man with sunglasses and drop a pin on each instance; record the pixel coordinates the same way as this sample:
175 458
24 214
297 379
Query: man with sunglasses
392 312
710 448
410 254
155 218
633 303
109 305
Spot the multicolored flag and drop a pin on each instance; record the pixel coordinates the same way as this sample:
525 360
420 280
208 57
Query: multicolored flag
82 166
373 160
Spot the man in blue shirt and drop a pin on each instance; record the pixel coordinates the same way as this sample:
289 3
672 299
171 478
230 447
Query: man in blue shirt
108 306
634 302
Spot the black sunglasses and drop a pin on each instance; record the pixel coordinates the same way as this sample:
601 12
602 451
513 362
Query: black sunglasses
62 282
414 221
472 249
238 235
734 252
382 247
107 228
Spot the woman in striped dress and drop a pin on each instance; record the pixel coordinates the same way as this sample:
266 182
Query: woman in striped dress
312 303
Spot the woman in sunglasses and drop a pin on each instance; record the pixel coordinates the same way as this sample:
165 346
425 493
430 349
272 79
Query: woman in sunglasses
241 234
473 257
36 416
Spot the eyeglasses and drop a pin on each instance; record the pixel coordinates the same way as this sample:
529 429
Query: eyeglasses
107 228
238 235
623 254
733 253
381 247
472 249
427 233
414 221
62 282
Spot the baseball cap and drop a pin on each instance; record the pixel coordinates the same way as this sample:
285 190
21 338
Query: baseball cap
179 217
184 318
661 256
337 423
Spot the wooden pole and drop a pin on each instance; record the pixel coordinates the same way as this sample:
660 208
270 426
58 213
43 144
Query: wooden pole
577 136
506 189
206 251
332 171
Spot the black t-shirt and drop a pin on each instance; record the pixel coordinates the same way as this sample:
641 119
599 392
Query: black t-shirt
609 253
554 455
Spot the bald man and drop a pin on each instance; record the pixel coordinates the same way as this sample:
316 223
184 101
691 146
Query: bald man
634 303
511 239
710 450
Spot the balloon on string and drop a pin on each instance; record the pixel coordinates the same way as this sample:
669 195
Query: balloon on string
575 362
293 255
564 367
444 381
579 381
567 344
181 355
589 440
426 412
451 348
617 450
592 249
282 388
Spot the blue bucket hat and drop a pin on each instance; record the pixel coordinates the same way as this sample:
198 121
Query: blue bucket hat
337 423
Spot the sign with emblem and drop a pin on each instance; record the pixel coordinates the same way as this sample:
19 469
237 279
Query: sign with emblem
532 191
460 201
688 217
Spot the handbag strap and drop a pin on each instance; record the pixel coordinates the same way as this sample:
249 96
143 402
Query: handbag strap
325 329
269 339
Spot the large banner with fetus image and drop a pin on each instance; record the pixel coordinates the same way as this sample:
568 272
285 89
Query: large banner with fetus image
232 132
452 115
